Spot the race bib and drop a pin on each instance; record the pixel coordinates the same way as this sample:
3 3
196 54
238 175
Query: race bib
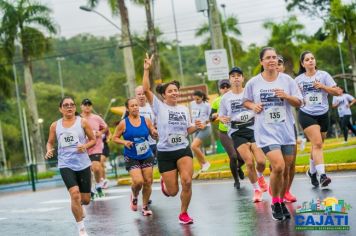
68 139
176 139
275 115
142 148
243 116
195 113
313 99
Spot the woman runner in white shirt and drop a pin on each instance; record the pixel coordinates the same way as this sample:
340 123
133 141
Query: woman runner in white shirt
173 152
271 95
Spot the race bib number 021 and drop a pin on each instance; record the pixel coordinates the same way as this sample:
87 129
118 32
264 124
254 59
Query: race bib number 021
313 99
176 139
68 139
275 115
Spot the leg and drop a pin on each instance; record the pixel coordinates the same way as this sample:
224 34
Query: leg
170 179
185 168
102 162
260 158
147 184
344 124
96 167
196 144
137 181
288 159
245 152
314 135
231 152
276 178
75 198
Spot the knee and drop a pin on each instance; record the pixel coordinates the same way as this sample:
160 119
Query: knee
278 169
318 145
147 182
75 196
195 146
186 183
137 182
85 200
249 164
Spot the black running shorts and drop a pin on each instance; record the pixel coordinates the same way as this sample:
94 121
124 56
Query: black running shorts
95 157
81 178
131 163
167 161
241 136
307 120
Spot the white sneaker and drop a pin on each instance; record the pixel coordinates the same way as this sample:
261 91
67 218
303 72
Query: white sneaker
302 144
105 184
83 232
344 142
205 166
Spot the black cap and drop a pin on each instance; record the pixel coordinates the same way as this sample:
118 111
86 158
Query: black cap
237 70
280 59
86 101
224 81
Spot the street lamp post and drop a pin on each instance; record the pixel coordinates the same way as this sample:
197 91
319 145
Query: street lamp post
107 109
59 59
339 41
228 38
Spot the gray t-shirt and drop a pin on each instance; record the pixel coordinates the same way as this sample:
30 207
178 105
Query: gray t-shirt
172 125
147 112
274 125
231 106
343 101
315 100
200 111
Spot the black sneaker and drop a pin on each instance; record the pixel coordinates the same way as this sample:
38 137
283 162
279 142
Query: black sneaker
313 179
324 180
240 173
149 202
285 211
277 213
237 185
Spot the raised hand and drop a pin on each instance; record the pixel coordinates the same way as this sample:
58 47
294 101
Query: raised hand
147 62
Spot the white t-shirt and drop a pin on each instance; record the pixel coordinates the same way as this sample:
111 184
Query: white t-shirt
172 125
343 101
315 100
231 106
147 112
274 124
200 111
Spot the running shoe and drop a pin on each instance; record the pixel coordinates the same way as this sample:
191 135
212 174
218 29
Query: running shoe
285 211
185 219
262 183
163 188
133 203
313 179
257 196
205 167
146 211
237 185
105 184
100 192
83 232
92 196
241 173
288 197
277 213
324 180
149 202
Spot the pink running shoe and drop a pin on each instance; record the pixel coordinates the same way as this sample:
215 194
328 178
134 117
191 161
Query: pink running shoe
262 183
133 203
288 197
257 196
185 219
163 188
146 211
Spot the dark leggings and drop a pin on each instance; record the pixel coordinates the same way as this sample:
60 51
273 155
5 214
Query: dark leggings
346 125
235 159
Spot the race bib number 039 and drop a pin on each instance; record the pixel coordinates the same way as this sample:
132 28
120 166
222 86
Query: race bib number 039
313 99
275 115
176 139
68 139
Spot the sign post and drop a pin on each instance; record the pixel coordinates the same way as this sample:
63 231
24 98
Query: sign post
217 64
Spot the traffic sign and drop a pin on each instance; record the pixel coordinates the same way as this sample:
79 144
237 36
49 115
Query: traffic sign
217 64
186 93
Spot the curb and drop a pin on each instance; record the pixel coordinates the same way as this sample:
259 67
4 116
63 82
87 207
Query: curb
227 174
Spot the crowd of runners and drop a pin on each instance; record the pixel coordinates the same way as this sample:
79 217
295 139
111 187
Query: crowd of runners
255 124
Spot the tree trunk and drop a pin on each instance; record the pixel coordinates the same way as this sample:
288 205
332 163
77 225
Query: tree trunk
353 64
35 133
128 55
218 42
152 41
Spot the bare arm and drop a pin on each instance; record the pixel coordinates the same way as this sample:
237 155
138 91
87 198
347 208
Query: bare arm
51 139
292 100
90 134
257 108
119 130
352 102
146 79
151 128
335 91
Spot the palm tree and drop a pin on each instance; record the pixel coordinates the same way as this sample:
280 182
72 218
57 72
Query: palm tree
285 37
20 23
5 81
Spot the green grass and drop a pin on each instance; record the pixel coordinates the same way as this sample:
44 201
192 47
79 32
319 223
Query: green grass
24 177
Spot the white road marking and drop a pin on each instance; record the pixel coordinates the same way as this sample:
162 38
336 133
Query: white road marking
101 199
58 201
3 218
127 190
32 210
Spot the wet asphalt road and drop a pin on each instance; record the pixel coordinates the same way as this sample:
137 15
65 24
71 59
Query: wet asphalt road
217 209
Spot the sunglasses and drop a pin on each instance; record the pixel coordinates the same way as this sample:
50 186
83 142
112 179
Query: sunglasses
68 105
224 86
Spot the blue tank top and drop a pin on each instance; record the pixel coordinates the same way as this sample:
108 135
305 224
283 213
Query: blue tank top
68 140
139 136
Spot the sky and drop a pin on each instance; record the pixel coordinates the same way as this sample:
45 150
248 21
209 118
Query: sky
250 13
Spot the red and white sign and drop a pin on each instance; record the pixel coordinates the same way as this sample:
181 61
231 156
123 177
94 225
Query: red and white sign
217 64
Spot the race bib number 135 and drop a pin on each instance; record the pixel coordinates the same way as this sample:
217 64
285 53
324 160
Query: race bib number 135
275 115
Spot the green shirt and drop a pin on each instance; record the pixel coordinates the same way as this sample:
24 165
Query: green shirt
216 105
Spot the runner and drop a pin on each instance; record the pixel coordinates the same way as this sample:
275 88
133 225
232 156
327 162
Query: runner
105 154
73 160
315 86
138 156
236 161
241 121
271 96
173 153
288 196
343 104
200 110
99 127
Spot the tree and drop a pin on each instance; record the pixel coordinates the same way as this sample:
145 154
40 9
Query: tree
5 81
20 22
285 37
318 8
